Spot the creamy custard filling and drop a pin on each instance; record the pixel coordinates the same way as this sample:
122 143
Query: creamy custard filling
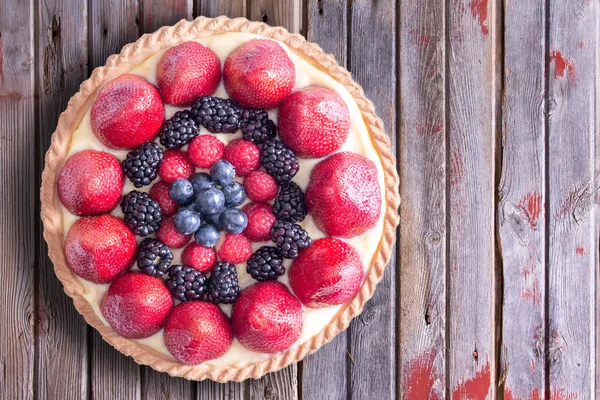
358 141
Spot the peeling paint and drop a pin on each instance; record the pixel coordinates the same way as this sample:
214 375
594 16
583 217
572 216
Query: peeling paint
562 64
479 11
420 377
531 205
457 169
475 388
580 251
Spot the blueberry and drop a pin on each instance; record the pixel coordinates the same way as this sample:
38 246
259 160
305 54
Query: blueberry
181 190
207 236
234 193
222 172
233 220
187 222
190 206
210 201
212 219
200 181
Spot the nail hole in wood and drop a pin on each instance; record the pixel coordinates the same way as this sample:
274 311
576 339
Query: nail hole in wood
475 355
427 318
265 18
320 6
105 31
137 21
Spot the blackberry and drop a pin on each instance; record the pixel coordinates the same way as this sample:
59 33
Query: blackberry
223 284
217 115
279 161
186 283
142 214
289 204
178 130
290 238
266 264
256 126
141 165
154 257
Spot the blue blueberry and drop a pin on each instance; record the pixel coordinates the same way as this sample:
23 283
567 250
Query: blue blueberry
190 206
212 219
201 180
207 236
234 193
222 172
210 201
233 220
181 190
187 222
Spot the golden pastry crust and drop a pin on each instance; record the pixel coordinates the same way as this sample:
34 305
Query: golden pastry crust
135 53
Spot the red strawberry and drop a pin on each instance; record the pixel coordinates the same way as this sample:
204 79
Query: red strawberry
127 112
186 72
204 150
136 305
100 248
175 164
267 317
260 221
343 195
260 186
259 74
243 155
90 183
314 122
197 331
159 192
169 235
199 257
235 249
327 273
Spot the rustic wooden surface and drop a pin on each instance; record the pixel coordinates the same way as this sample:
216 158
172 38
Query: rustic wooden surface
493 108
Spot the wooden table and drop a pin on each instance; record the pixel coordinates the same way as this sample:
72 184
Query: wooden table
493 108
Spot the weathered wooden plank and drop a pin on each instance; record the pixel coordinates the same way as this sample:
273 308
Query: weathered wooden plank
17 200
62 332
157 13
422 165
214 8
521 215
572 154
372 60
473 101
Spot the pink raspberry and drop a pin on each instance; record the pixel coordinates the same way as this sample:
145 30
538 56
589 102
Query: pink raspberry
199 257
260 186
159 192
175 164
243 155
169 235
204 150
260 221
235 249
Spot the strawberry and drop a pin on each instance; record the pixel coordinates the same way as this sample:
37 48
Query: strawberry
169 235
197 331
327 273
199 257
235 249
175 164
90 183
204 150
243 155
314 122
260 221
186 72
343 195
260 186
159 192
267 317
259 74
128 111
136 305
100 248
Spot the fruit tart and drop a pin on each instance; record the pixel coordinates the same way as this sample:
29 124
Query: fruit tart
219 200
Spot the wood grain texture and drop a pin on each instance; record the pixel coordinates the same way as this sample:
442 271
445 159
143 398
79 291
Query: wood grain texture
62 333
521 214
422 165
214 8
157 13
286 13
158 385
572 154
473 99
372 61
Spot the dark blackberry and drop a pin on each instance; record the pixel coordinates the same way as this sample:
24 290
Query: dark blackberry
290 238
223 284
186 283
141 165
154 257
279 161
217 115
178 130
256 126
142 214
289 204
265 264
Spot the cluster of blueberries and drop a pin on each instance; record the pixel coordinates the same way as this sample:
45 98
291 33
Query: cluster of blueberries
207 204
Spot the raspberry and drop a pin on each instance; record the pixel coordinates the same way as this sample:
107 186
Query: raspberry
159 192
260 186
175 164
243 155
235 249
260 221
204 150
169 235
199 257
